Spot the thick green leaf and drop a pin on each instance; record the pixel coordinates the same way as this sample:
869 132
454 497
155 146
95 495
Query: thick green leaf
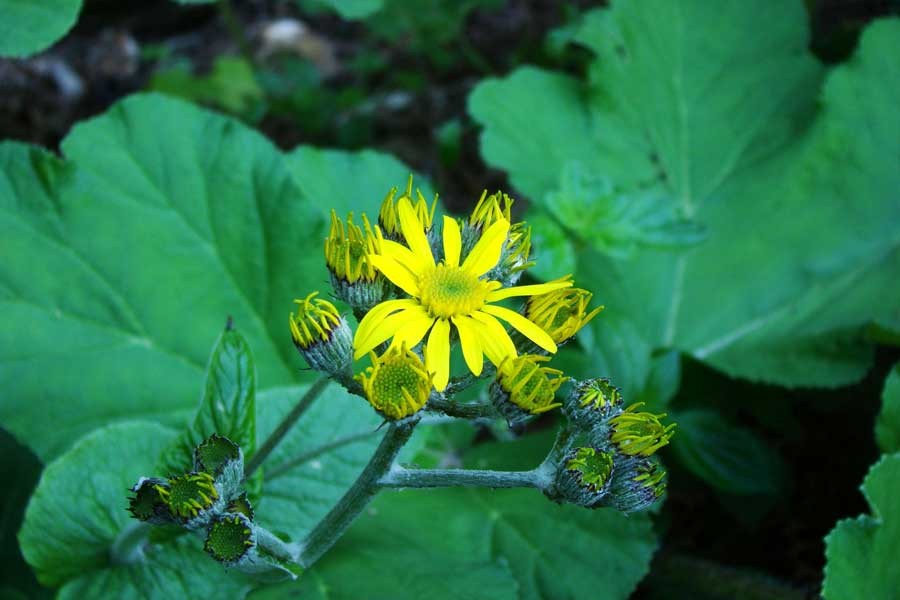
726 456
29 27
719 120
887 425
394 551
79 512
862 553
173 219
227 407
331 179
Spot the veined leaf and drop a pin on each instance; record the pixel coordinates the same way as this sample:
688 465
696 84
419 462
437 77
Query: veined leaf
861 553
720 121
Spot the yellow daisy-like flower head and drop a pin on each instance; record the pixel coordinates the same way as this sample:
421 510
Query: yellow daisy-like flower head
561 313
389 217
639 433
321 335
353 277
396 384
514 255
451 293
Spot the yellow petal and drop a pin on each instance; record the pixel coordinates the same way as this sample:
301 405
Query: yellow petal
414 231
526 327
486 253
495 341
437 354
470 342
378 332
412 332
452 242
403 255
397 273
375 316
527 290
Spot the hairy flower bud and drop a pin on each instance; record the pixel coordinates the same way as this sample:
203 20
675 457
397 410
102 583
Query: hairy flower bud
639 433
592 402
191 498
241 505
214 453
321 335
396 385
230 538
389 218
637 483
353 277
523 388
148 503
584 475
561 313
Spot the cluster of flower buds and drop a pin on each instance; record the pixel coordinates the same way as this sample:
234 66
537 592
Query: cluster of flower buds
210 498
610 459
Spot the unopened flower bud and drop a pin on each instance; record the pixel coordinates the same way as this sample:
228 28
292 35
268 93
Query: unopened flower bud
523 388
230 538
241 505
584 476
592 402
148 503
353 277
191 498
637 483
321 335
561 313
639 433
389 218
397 384
214 453
517 247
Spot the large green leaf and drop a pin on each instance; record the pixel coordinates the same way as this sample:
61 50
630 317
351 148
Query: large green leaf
227 407
887 425
79 512
30 26
721 120
164 220
331 179
726 456
348 9
862 553
394 551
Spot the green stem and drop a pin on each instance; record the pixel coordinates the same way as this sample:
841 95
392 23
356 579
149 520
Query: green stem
276 547
398 477
128 547
276 436
318 451
335 523
469 410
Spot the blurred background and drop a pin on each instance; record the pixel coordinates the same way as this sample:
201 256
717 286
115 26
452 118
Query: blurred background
397 76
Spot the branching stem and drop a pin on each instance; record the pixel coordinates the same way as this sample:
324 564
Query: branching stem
398 477
335 523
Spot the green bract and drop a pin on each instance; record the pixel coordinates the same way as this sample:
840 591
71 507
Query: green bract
746 136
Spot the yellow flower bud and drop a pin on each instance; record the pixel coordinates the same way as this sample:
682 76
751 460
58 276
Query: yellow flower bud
396 385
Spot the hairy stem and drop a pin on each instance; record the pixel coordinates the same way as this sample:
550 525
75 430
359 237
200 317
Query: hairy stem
335 523
272 545
398 477
128 547
462 410
289 420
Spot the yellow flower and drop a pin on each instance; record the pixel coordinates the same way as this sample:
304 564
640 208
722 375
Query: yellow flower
314 322
528 385
448 293
396 384
489 210
561 313
347 248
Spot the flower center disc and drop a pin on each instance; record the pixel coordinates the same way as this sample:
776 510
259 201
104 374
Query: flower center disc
449 291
